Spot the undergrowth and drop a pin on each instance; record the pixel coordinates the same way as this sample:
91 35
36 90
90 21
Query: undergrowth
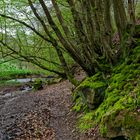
9 71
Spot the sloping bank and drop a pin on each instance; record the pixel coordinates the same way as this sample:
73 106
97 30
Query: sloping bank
112 103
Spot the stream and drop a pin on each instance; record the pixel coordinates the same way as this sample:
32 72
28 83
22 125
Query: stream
23 80
25 86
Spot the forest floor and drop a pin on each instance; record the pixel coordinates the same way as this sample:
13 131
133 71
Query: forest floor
42 115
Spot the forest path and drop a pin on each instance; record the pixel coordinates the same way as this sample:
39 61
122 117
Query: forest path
41 115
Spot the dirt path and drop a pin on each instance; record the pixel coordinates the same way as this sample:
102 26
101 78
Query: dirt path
43 115
62 120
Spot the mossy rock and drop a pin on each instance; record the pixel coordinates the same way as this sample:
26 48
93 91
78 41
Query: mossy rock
118 116
53 81
38 84
91 92
122 118
126 123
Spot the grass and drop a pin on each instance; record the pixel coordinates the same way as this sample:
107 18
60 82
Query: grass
4 83
10 71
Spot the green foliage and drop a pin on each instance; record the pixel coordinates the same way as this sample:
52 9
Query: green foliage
30 46
80 101
9 71
86 121
80 105
9 83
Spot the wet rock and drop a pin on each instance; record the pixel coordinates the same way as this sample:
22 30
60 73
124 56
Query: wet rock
38 84
26 88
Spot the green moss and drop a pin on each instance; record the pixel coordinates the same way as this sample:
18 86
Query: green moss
86 121
94 82
103 130
38 84
117 115
90 92
53 81
80 104
137 137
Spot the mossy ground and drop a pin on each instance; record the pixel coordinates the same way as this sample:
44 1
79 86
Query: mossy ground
119 113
